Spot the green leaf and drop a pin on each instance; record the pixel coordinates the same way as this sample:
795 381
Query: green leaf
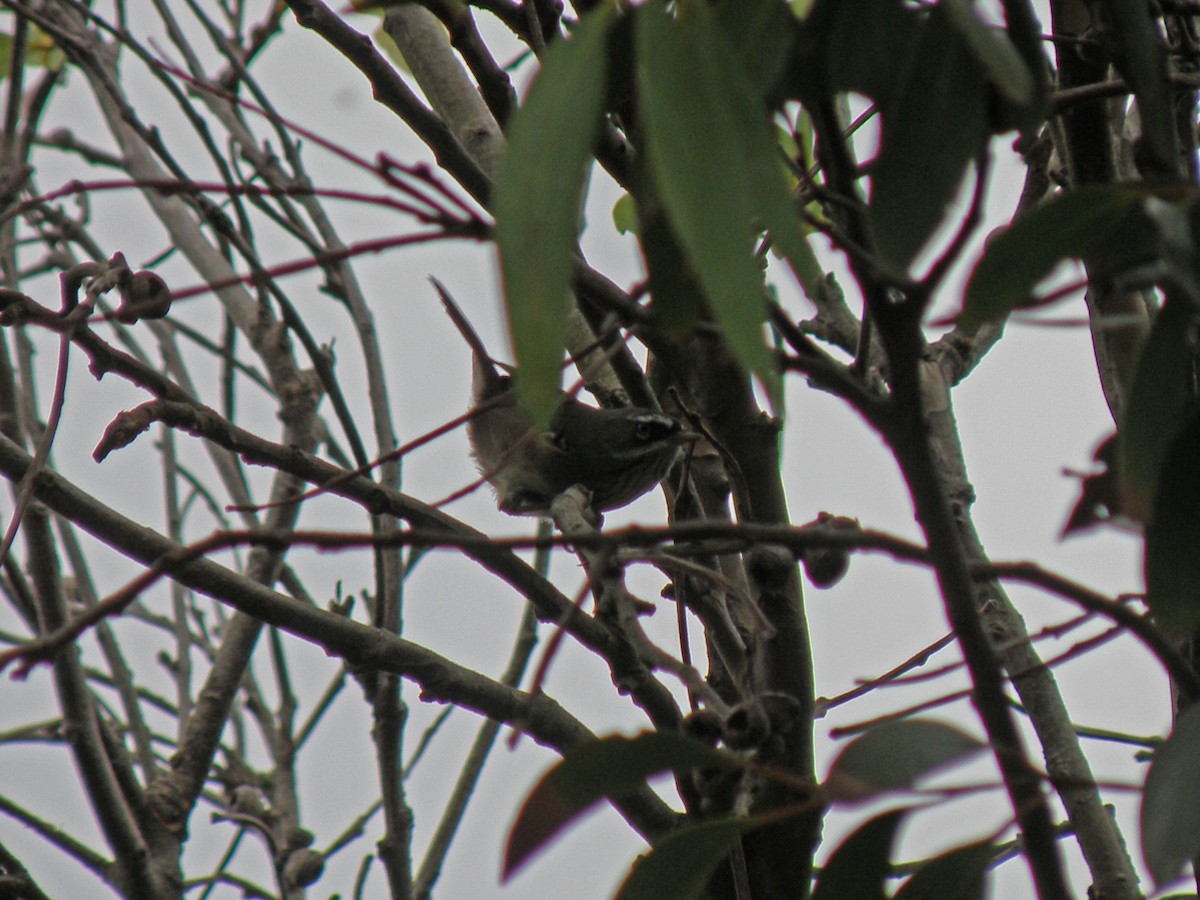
914 179
385 41
1155 411
538 202
998 59
1141 60
787 142
958 874
1173 538
687 102
760 34
856 45
682 862
859 868
694 94
772 191
1070 225
940 72
624 213
607 767
40 52
1025 32
893 756
1170 815
800 8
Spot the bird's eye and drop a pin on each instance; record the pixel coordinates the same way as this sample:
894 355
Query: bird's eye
648 429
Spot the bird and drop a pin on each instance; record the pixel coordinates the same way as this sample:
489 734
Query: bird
616 455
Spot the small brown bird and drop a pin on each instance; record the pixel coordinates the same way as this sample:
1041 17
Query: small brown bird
615 454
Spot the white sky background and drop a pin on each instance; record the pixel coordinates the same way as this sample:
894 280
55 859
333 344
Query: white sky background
1032 408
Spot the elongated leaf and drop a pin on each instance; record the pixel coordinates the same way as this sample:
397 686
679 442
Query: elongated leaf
704 149
856 45
538 198
940 71
993 52
1156 409
1069 226
608 767
958 874
914 179
922 73
1025 33
680 865
760 34
771 196
859 868
1170 816
1144 64
1173 537
893 756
